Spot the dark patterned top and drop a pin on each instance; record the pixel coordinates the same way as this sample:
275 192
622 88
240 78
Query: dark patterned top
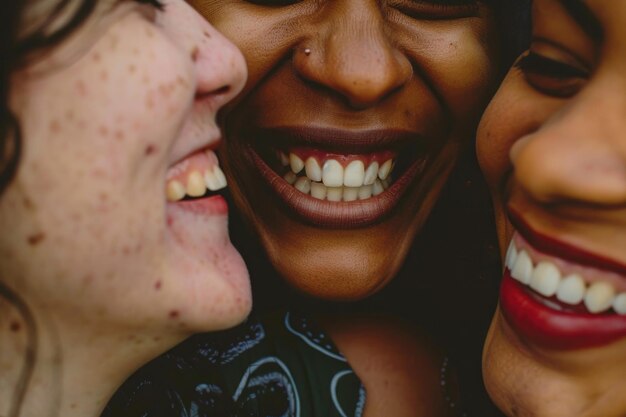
280 366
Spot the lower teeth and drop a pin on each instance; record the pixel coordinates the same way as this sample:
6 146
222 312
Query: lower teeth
321 192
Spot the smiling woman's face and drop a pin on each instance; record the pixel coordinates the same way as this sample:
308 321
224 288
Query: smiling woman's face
353 116
553 149
107 118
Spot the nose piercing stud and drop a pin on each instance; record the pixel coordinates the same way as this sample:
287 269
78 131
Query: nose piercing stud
307 51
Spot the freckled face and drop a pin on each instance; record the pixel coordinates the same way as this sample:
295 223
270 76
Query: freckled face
553 150
86 228
340 92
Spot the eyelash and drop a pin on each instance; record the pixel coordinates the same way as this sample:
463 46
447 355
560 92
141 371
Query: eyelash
438 9
156 3
550 76
442 5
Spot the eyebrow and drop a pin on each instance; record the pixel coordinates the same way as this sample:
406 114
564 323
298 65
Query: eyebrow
584 17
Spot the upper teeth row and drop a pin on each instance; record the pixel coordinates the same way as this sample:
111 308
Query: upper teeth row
547 280
333 174
196 184
322 192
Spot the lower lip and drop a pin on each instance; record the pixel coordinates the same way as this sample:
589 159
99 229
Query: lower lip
210 206
339 215
552 329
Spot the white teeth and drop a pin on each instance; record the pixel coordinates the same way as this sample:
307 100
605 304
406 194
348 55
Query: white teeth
354 174
318 190
175 191
350 193
196 186
313 169
365 192
296 163
545 279
619 304
303 184
571 290
511 256
214 180
385 169
332 173
290 177
599 297
377 188
523 268
284 159
334 193
371 174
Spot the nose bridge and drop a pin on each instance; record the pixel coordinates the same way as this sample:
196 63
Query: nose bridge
353 55
580 154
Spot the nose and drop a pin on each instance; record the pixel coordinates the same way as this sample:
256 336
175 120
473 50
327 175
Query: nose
351 54
580 154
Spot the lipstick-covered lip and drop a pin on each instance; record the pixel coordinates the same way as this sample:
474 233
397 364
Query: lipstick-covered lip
370 145
557 296
551 246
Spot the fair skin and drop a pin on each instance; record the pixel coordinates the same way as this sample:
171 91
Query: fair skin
553 150
112 272
350 83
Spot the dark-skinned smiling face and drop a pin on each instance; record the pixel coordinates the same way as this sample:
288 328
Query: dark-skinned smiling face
354 114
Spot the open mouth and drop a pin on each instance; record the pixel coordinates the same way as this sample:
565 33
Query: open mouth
197 176
558 301
337 178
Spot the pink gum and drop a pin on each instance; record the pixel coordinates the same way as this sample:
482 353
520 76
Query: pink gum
321 156
199 161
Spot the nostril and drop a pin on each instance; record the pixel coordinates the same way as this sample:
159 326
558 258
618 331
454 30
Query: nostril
221 91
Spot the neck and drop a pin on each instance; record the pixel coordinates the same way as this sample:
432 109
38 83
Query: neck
73 369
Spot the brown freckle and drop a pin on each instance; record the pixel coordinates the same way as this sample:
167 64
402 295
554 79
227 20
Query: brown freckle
119 135
28 203
103 197
149 32
170 221
36 239
132 68
158 285
149 102
114 42
81 124
88 279
73 406
156 338
96 57
206 34
103 130
15 326
70 115
104 76
174 314
195 52
150 149
126 250
55 127
81 88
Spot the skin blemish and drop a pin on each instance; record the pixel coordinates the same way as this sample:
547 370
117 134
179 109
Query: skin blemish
170 221
104 76
55 126
132 68
69 115
15 326
149 32
158 285
103 131
36 239
149 102
174 314
150 149
119 135
195 53
97 57
28 203
81 88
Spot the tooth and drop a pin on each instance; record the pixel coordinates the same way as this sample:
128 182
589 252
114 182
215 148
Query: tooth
619 304
371 173
175 190
332 173
511 255
385 169
284 159
571 289
377 187
350 193
318 190
211 180
290 177
599 297
523 268
221 178
334 193
296 163
545 279
365 192
313 170
354 174
195 184
303 184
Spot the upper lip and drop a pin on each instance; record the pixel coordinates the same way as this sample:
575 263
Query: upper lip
551 246
184 153
338 140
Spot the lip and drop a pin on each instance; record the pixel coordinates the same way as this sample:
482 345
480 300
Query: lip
536 322
322 213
